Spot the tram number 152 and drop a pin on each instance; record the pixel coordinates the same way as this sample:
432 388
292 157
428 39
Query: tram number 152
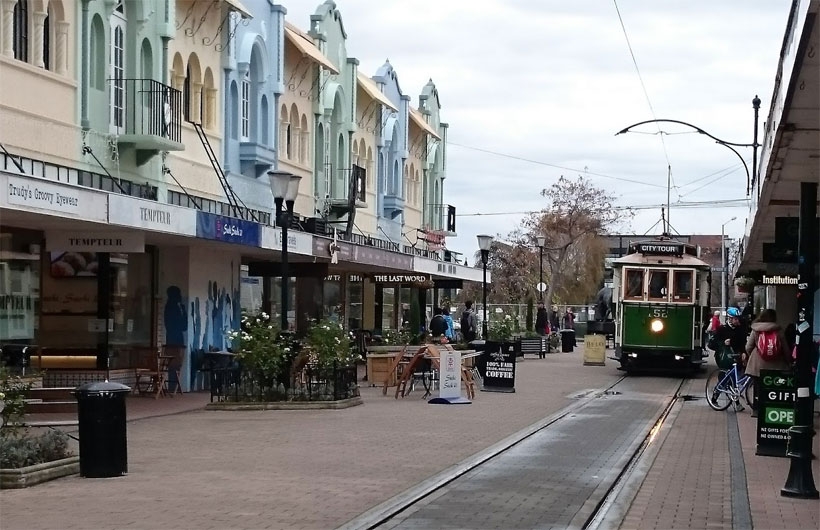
658 313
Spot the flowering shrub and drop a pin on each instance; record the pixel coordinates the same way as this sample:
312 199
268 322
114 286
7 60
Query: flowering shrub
502 329
328 343
13 391
260 349
392 337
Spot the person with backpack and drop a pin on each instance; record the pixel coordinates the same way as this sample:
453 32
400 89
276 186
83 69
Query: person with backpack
451 331
766 349
438 324
469 323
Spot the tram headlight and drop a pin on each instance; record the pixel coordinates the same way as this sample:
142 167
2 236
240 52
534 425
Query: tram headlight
656 325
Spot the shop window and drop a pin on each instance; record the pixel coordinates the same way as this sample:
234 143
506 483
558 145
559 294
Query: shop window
19 286
658 284
682 286
388 308
355 294
130 306
47 40
634 284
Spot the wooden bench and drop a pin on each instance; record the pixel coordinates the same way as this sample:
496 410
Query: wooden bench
50 401
64 358
535 346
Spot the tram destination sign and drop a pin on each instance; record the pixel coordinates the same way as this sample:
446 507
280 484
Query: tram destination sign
775 412
660 249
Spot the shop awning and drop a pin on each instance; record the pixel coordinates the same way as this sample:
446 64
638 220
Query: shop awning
304 44
237 6
372 89
418 118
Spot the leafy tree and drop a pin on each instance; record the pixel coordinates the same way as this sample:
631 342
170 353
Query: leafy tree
529 322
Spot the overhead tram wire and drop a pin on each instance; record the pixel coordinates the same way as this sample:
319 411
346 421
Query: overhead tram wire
708 183
648 101
726 203
547 164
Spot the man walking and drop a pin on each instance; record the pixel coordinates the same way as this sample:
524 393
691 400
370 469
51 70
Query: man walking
469 324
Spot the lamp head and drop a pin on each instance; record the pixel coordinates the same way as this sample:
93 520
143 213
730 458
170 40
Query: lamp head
279 183
540 240
484 241
293 188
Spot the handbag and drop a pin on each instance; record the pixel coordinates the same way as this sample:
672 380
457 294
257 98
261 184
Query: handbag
724 357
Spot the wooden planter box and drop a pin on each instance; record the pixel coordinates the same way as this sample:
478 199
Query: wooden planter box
25 477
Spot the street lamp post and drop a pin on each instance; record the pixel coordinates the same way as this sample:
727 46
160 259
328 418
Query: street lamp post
484 243
723 266
541 240
285 187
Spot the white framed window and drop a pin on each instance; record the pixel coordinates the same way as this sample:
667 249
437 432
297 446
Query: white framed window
117 91
245 108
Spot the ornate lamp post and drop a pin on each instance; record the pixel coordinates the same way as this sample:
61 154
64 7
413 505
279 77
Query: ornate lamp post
723 267
541 240
484 243
285 187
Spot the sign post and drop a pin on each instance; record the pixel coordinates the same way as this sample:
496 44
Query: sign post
775 412
449 390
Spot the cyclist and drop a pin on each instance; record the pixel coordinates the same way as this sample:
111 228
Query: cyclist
731 336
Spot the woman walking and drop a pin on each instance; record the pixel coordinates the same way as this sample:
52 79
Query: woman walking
765 350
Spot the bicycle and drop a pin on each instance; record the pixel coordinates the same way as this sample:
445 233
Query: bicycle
724 387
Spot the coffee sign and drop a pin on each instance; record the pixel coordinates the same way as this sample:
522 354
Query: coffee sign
498 360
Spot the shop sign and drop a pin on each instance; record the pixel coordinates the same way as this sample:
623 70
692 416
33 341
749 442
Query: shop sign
775 412
779 280
298 242
338 277
365 255
227 229
402 278
151 215
37 195
94 241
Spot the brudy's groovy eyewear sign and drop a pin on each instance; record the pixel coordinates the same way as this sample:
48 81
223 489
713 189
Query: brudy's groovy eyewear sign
775 412
39 195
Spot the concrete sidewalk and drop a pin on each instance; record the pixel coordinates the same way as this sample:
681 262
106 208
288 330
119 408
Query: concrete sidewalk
706 475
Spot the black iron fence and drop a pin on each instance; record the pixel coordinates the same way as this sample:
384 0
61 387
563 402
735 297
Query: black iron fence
312 383
149 108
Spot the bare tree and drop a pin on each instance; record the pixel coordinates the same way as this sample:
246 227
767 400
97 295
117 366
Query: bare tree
576 214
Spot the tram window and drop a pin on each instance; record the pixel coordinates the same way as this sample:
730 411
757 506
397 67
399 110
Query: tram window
658 282
634 284
682 289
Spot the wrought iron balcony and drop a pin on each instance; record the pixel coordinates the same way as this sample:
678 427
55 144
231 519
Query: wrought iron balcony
147 115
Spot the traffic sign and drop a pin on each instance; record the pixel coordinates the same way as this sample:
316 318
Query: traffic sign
718 269
541 287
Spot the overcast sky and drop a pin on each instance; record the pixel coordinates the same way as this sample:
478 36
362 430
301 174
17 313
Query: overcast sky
552 81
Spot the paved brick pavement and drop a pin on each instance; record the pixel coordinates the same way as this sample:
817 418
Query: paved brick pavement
318 469
690 484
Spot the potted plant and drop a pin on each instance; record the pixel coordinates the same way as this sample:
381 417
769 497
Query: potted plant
332 360
264 358
745 284
26 459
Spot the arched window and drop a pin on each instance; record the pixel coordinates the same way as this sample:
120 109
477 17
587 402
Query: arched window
283 131
47 40
97 77
20 30
293 134
245 111
304 141
118 68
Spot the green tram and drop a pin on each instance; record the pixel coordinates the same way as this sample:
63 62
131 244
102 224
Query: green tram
661 295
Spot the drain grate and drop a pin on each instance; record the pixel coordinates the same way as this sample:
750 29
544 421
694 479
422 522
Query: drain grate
611 393
689 397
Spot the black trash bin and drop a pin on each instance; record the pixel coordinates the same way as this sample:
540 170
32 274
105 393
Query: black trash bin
567 340
101 418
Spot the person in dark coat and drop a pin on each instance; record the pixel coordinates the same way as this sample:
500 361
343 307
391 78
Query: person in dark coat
541 324
766 321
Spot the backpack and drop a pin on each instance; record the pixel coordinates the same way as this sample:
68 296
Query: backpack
438 326
768 345
466 322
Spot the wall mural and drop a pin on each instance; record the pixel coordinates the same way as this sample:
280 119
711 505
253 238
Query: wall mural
211 322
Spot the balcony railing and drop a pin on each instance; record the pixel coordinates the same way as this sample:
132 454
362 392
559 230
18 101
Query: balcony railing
147 113
444 218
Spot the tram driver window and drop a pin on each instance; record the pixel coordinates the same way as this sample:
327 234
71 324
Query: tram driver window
658 282
634 284
682 290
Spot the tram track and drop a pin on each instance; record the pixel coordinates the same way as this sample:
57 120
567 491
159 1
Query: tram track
393 508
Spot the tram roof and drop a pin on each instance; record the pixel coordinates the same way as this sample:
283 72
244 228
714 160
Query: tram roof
662 250
653 259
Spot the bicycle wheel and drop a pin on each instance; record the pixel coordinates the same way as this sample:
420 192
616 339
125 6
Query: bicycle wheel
748 392
716 390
